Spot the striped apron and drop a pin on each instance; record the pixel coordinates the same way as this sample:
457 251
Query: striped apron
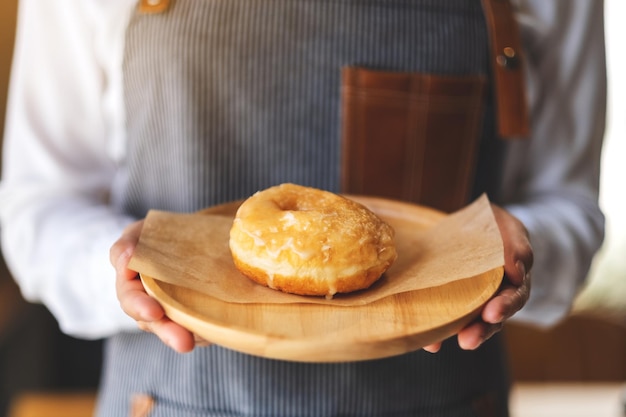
228 97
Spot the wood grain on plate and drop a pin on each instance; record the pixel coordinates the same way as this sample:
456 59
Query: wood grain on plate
322 333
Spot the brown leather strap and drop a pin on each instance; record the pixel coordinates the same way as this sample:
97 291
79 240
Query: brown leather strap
506 52
507 55
153 6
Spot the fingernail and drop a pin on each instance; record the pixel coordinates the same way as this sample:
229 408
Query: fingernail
122 261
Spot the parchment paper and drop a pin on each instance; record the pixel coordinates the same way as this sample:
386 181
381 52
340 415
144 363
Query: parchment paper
191 250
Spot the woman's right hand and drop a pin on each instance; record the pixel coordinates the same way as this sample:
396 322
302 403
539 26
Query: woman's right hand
135 302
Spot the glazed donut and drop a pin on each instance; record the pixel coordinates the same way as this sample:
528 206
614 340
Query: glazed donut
307 241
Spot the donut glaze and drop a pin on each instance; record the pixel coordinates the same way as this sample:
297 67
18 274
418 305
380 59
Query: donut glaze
307 241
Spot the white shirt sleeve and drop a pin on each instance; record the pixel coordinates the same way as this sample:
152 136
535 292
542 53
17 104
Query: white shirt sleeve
551 181
62 145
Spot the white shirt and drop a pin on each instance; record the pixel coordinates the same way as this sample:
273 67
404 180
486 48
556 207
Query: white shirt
65 140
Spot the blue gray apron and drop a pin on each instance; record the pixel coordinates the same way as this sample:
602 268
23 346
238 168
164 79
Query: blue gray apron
228 97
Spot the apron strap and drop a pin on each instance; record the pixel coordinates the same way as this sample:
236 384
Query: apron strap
506 53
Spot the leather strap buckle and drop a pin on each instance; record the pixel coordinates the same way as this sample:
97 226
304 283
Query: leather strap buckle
510 86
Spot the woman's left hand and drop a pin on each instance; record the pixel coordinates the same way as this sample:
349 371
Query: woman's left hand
515 288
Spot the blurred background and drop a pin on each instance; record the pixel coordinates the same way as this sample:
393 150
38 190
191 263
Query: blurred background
577 369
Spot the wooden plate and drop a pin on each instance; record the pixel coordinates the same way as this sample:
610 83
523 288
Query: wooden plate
323 333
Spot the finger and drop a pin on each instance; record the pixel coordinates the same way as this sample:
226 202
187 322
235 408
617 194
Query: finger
433 348
122 250
518 252
120 255
173 335
130 291
474 335
136 302
506 303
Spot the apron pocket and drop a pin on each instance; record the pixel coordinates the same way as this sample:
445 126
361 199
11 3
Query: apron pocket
411 136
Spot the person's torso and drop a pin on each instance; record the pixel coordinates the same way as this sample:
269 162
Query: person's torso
224 98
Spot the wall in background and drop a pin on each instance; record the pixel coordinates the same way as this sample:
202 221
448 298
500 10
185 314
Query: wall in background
606 292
